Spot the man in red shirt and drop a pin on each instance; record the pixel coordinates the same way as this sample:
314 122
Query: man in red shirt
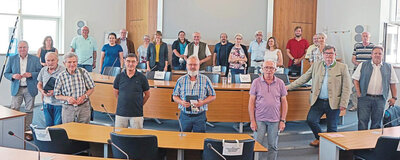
296 48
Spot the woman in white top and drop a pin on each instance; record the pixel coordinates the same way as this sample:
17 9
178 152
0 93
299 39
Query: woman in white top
273 53
316 53
142 50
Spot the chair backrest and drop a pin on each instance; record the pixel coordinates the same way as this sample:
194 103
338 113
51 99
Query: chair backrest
209 154
253 69
214 77
209 68
386 148
141 66
236 77
60 143
111 71
136 146
284 78
167 76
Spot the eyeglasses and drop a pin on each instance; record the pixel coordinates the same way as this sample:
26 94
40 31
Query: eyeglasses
269 68
329 53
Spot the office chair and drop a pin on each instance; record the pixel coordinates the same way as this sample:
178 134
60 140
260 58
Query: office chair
138 147
209 68
236 78
209 154
167 76
111 71
141 66
213 77
385 148
60 143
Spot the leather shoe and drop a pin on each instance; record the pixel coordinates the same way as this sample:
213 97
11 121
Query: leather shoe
353 109
28 137
315 143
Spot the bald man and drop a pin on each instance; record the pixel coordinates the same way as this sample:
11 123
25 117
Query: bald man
198 49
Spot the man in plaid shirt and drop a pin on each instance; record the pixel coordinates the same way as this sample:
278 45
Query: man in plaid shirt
193 92
74 86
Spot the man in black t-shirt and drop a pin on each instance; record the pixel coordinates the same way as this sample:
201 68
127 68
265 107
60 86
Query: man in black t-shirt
132 91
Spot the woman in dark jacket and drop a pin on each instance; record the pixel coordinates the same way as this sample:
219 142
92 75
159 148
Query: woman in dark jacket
157 54
178 49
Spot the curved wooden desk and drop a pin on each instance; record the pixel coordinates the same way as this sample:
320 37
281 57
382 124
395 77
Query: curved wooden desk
11 120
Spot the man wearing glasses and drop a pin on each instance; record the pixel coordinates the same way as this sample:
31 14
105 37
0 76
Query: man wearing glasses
330 91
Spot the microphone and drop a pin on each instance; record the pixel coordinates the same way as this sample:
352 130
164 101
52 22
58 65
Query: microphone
122 151
37 148
109 71
181 134
209 145
102 106
389 123
87 59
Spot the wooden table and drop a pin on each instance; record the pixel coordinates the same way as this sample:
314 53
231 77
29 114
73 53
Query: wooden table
19 154
231 104
332 143
166 139
11 120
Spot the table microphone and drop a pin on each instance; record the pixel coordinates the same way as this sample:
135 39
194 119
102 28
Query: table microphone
37 148
102 105
122 151
109 71
87 59
180 126
389 123
209 145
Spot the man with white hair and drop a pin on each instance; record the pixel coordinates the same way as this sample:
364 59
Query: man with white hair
47 78
85 47
126 44
198 49
257 49
193 92
268 109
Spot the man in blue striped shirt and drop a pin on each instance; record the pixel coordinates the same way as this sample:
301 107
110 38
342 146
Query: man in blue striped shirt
193 92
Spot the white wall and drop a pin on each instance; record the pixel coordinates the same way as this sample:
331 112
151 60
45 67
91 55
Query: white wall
101 15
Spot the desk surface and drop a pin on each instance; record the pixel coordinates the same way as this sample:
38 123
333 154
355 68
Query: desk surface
6 113
166 139
354 140
19 154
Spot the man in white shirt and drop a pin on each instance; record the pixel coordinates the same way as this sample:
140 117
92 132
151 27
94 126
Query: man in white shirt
198 49
126 44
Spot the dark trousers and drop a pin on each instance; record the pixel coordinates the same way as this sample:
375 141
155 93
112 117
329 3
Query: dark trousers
320 108
195 123
370 108
88 68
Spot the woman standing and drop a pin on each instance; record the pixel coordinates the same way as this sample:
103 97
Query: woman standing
178 49
157 54
238 56
112 54
142 50
47 47
273 53
316 53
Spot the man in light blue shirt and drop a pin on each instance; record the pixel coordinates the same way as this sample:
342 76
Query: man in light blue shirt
85 47
257 50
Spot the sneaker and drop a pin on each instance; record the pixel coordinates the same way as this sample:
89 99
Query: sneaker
353 109
315 143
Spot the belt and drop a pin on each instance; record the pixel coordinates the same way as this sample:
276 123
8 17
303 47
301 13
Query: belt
258 60
193 115
370 95
326 100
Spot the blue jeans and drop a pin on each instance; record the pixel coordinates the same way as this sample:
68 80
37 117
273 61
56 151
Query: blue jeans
236 71
271 142
320 108
195 123
370 108
89 68
52 114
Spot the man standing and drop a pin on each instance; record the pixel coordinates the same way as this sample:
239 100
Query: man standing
22 70
362 52
47 77
126 44
257 50
330 91
312 47
222 51
372 80
132 91
74 86
193 92
178 48
296 47
268 108
198 49
85 47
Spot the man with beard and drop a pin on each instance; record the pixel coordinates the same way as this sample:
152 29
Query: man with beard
221 51
296 48
193 92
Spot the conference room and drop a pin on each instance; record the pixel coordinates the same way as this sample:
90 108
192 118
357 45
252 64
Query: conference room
225 30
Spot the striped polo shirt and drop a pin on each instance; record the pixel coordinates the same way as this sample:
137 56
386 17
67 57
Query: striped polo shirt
363 53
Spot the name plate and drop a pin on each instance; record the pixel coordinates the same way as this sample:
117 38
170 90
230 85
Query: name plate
216 69
245 78
42 134
232 149
159 75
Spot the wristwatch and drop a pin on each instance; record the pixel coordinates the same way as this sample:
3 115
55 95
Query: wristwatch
395 98
284 121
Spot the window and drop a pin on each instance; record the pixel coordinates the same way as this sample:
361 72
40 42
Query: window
38 19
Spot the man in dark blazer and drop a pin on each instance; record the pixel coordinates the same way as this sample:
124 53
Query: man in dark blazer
22 70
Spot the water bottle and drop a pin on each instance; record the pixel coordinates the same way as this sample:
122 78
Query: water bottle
229 77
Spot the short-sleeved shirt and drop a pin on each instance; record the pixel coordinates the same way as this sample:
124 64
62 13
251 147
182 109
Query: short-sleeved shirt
130 94
297 48
84 48
201 88
44 77
257 50
237 52
142 51
73 85
111 56
268 99
363 53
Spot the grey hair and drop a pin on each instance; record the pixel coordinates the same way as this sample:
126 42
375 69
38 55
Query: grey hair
69 55
193 57
146 36
51 53
327 47
238 34
195 33
273 62
23 41
323 35
259 31
378 47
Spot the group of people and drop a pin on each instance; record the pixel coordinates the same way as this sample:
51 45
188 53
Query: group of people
66 89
